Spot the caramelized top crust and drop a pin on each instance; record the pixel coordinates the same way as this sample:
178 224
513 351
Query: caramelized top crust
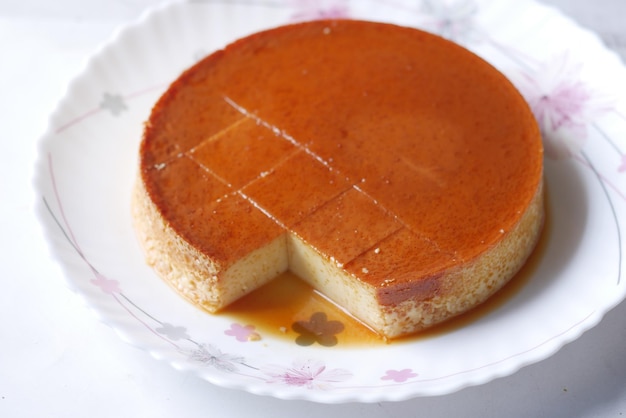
392 151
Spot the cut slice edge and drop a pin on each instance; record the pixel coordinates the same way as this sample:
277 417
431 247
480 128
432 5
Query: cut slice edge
459 286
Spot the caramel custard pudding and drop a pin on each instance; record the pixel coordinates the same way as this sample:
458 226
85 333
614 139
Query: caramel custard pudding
396 172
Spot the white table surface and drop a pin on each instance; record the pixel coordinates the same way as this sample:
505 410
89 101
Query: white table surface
58 360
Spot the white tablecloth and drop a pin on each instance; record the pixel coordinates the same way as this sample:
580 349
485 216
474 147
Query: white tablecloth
58 360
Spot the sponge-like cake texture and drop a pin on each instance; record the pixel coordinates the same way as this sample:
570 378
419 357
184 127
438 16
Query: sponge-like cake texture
395 171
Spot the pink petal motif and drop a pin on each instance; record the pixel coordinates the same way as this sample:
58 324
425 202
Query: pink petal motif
622 167
399 375
311 374
320 9
563 105
108 286
242 333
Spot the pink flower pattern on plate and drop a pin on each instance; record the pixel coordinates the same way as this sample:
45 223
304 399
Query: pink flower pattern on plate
320 9
108 286
399 376
310 374
243 333
622 167
563 105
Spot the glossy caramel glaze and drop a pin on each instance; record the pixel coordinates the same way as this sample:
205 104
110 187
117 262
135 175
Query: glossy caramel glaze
393 152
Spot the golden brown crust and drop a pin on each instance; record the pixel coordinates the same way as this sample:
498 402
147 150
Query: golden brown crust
467 285
412 168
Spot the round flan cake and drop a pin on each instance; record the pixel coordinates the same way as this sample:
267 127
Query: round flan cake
395 171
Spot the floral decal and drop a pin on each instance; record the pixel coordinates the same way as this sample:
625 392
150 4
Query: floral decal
310 374
399 376
108 286
172 332
243 333
212 356
113 103
320 9
622 167
317 330
451 19
563 105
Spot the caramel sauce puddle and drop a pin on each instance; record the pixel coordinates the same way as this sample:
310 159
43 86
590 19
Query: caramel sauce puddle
275 307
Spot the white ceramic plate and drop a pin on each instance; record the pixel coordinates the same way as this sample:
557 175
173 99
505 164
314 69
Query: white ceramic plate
88 160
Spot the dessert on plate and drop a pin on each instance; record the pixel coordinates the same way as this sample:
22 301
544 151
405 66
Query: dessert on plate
396 172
